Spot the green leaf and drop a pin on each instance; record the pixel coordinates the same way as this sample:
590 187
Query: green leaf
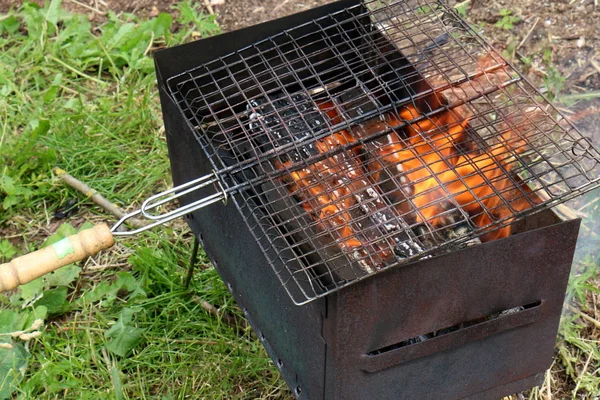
29 291
53 379
5 82
10 201
9 24
27 317
12 191
50 94
8 321
106 293
124 336
40 127
55 300
7 250
63 276
39 312
53 13
74 104
33 20
7 184
161 24
186 13
121 36
462 8
13 362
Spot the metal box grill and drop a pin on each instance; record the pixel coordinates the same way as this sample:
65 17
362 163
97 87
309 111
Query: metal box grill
365 139
467 321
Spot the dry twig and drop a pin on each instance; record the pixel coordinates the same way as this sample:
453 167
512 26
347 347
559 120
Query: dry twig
95 196
111 368
562 209
595 65
584 316
548 382
581 374
528 33
91 8
227 318
209 7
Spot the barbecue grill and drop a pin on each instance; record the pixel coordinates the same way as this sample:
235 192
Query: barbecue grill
369 138
387 180
304 127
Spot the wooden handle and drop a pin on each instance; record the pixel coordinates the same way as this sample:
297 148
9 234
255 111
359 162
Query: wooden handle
69 250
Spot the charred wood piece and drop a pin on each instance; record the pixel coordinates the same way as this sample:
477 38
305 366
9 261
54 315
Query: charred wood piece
335 191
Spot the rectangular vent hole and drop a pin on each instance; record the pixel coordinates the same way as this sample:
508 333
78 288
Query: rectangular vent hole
454 328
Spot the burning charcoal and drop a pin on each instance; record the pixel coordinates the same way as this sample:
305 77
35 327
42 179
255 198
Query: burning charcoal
406 245
390 177
512 311
430 239
504 313
406 169
462 230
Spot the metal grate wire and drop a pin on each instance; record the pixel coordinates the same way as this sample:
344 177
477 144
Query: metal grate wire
375 136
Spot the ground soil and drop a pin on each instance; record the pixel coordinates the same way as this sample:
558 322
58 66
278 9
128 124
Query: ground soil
232 14
569 28
96 9
241 13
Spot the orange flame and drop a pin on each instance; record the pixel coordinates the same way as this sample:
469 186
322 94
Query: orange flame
435 160
327 191
480 183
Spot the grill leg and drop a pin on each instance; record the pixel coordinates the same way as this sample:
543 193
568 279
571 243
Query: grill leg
193 259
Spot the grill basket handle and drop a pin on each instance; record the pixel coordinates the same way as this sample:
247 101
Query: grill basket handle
74 248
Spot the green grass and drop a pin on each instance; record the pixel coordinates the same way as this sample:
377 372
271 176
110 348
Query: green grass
508 20
121 326
84 98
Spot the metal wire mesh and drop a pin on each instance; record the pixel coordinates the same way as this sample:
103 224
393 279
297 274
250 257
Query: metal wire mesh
378 135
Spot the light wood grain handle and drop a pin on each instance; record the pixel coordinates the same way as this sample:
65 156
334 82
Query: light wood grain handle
69 250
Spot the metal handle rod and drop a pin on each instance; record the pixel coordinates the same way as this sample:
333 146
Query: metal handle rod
181 211
163 197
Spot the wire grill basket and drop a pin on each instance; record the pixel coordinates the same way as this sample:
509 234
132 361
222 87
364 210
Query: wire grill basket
375 136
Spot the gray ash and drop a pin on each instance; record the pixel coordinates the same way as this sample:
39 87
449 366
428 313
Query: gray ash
276 121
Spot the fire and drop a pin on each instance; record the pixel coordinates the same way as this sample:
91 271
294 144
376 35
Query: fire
330 191
437 170
440 175
318 199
